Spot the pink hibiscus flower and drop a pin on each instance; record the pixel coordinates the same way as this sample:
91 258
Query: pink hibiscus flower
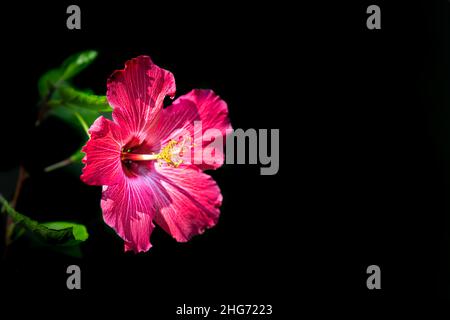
142 156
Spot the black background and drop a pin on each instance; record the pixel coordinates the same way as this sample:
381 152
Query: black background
364 118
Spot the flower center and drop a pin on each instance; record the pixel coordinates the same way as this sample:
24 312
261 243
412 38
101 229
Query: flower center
170 155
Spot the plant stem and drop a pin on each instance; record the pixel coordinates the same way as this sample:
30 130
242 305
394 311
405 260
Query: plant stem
9 227
58 165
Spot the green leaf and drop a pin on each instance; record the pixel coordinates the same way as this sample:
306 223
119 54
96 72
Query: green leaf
73 97
72 66
76 107
79 231
56 233
68 113
48 81
77 63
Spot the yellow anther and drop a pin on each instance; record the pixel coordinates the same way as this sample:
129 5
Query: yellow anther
171 154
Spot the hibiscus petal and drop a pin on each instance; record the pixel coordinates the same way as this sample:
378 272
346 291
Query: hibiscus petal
137 93
188 201
127 208
200 106
102 160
